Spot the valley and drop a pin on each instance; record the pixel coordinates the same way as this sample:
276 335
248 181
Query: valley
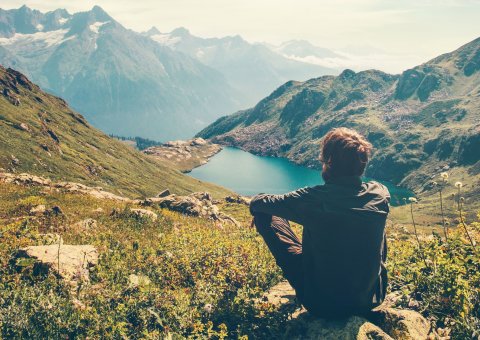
133 237
421 123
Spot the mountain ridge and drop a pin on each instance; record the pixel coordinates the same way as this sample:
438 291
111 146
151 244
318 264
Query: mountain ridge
41 135
420 122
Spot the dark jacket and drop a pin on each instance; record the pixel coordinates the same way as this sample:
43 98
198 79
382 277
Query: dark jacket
343 245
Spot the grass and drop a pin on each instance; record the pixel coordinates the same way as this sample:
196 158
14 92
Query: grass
196 278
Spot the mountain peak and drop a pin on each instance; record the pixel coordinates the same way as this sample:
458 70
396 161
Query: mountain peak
100 13
152 31
181 32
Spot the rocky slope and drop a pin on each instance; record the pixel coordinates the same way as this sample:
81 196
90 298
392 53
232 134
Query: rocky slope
421 122
40 134
120 80
184 155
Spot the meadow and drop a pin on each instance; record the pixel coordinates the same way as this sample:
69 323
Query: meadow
181 276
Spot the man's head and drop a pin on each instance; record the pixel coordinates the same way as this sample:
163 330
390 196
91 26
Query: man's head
344 153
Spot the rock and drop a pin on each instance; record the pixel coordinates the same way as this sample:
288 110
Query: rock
145 213
24 127
56 210
198 141
27 179
196 204
385 323
238 200
15 160
39 209
403 324
203 196
163 193
86 224
136 281
70 262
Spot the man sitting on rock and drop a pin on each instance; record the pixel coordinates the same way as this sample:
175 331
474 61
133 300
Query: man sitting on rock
338 268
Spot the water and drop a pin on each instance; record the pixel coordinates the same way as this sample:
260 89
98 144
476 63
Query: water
248 174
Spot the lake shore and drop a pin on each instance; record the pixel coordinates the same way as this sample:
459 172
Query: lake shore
184 155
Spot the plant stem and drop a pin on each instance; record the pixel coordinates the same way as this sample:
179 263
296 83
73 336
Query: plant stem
416 236
462 222
445 231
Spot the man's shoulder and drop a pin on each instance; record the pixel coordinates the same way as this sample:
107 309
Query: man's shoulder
377 189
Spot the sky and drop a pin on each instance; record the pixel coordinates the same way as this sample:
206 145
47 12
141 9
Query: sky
389 34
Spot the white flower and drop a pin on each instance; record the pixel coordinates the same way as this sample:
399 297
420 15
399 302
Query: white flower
412 200
444 175
208 308
458 184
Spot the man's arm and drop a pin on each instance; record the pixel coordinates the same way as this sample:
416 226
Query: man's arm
288 206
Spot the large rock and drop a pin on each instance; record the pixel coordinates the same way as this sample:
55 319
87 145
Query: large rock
198 204
144 213
70 262
385 323
32 180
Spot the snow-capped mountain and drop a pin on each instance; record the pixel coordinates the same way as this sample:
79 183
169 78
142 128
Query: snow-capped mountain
253 69
122 81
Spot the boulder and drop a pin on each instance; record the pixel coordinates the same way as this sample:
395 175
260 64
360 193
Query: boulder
144 213
238 200
70 262
138 281
163 193
196 204
384 323
86 224
38 209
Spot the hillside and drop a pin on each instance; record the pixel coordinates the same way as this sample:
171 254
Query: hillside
121 81
40 134
253 69
421 122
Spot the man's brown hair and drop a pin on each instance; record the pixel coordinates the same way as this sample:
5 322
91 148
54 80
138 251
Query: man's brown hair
345 152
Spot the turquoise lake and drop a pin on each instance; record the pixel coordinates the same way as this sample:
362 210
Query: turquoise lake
248 174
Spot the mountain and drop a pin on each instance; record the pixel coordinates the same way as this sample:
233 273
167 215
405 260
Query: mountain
41 135
122 81
252 69
303 49
421 122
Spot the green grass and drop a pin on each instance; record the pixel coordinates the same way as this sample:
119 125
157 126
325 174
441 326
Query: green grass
191 263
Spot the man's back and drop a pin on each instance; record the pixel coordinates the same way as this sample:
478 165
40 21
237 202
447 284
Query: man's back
343 242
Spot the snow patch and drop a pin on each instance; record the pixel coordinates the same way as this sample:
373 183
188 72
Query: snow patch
95 27
39 27
166 39
41 39
61 21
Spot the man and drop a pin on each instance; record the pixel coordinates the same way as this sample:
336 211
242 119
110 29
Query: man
338 268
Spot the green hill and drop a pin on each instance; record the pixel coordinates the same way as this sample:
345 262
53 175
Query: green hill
40 134
421 122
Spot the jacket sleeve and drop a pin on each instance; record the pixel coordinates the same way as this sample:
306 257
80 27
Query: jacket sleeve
288 206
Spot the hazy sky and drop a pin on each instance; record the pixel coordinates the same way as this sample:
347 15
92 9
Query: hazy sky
409 31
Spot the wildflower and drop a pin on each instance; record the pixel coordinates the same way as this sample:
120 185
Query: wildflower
447 223
444 175
208 308
462 199
458 184
434 183
412 200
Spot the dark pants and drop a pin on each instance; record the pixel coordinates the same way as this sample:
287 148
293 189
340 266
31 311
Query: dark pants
285 247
